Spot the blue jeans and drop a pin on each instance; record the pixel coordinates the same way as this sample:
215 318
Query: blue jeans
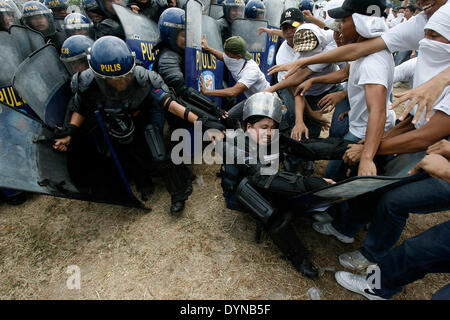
428 252
336 169
340 128
401 57
388 209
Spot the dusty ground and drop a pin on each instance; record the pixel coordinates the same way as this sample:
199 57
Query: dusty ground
208 253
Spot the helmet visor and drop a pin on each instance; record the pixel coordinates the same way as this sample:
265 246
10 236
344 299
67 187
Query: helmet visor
41 22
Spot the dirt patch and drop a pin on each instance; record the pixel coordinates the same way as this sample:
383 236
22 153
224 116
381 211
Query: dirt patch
207 253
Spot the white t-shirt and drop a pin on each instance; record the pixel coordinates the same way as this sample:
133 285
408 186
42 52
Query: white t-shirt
405 71
285 54
406 36
377 68
248 74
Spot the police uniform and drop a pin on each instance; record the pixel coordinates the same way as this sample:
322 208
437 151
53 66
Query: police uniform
246 187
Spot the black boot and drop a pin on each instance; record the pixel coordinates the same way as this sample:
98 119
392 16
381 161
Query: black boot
308 269
177 207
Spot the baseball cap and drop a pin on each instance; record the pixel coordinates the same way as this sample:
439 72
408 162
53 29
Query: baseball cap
365 7
292 16
237 45
305 40
332 26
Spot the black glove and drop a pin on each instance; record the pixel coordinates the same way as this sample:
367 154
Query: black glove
210 124
67 130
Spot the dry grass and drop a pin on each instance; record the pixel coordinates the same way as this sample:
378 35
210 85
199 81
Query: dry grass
208 253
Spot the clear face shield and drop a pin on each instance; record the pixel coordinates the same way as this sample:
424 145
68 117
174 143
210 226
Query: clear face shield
115 88
234 11
84 29
42 22
76 64
9 15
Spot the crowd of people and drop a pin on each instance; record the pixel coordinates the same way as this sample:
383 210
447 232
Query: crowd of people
340 56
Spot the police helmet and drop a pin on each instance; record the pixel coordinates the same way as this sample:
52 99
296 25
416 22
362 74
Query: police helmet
58 7
264 104
306 5
76 23
170 23
110 57
38 17
74 53
233 9
255 9
8 16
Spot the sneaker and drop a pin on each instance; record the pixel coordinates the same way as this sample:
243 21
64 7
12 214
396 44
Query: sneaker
356 283
327 229
354 260
322 217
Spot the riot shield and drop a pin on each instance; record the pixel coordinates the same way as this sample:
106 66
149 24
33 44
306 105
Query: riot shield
27 39
46 90
29 163
216 11
274 10
290 4
206 6
256 45
193 51
142 34
396 171
212 68
10 55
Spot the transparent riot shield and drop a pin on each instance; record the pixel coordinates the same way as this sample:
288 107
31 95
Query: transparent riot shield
274 10
142 34
193 52
290 4
28 40
212 68
29 163
216 11
396 171
43 81
248 30
11 57
206 6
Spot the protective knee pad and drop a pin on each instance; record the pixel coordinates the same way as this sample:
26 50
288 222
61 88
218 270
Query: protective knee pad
253 200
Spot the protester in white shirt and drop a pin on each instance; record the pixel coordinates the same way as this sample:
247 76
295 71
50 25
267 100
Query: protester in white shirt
405 36
434 57
244 70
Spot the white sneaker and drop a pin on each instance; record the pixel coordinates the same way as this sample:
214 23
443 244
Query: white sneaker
322 217
327 229
356 283
354 260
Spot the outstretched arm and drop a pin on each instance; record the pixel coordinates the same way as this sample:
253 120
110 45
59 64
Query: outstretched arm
345 53
216 53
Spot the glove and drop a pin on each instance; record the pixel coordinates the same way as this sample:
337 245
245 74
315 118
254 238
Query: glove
67 130
210 124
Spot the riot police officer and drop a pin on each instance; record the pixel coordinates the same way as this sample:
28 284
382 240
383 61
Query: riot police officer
170 61
265 194
255 9
232 9
152 9
59 10
125 96
74 53
38 17
8 16
78 24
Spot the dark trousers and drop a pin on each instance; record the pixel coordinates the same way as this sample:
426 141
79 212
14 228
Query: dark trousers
426 253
